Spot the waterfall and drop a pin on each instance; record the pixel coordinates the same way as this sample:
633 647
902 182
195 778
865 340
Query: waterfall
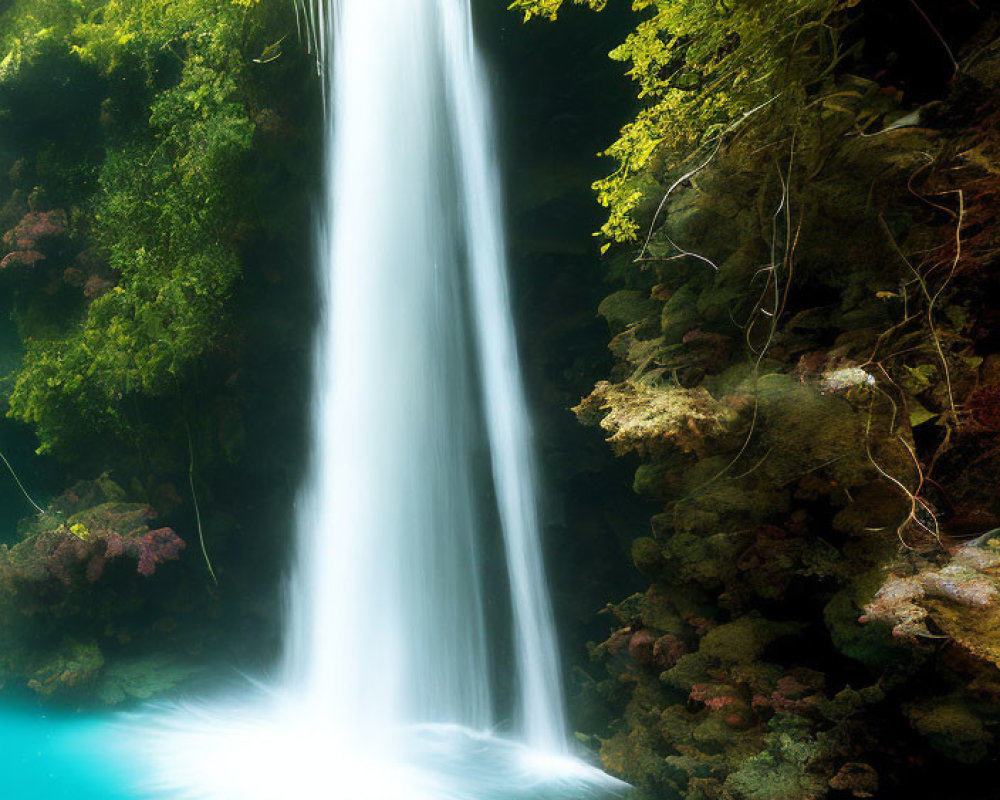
388 600
506 412
420 438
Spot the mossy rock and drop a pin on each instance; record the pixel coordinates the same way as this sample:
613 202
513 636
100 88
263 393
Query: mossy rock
74 665
727 503
803 429
690 669
705 560
871 644
648 557
141 680
659 611
780 771
627 307
952 729
975 628
680 314
652 480
122 518
744 640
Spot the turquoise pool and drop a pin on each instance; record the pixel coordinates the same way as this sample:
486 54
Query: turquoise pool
47 756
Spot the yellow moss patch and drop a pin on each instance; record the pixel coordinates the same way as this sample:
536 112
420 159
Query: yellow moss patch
977 629
645 419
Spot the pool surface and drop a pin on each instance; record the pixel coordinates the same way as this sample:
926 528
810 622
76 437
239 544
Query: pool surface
252 752
47 756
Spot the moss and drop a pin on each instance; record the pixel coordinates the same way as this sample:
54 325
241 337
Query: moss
780 771
867 644
744 640
634 753
647 557
977 629
143 679
718 505
705 560
953 729
680 314
805 427
626 307
664 611
74 665
689 670
652 480
648 419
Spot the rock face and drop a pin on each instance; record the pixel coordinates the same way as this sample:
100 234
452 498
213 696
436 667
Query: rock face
803 296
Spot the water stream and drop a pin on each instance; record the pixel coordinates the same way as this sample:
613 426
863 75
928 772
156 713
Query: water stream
386 689
416 295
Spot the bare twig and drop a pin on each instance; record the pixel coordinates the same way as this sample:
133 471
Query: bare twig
197 509
938 35
20 485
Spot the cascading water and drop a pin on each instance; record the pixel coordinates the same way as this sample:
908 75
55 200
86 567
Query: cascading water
386 622
413 256
385 687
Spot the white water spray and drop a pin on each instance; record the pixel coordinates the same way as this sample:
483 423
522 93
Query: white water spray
385 690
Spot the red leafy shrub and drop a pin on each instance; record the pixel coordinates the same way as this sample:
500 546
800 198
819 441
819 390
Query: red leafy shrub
71 554
157 547
25 241
21 258
71 544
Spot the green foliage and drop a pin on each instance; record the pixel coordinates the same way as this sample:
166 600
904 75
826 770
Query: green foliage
779 772
119 33
166 217
28 26
155 163
701 67
549 8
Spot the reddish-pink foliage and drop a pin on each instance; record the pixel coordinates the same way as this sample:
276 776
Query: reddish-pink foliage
778 701
21 258
149 548
640 646
35 226
158 547
700 692
64 552
112 531
719 703
25 239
